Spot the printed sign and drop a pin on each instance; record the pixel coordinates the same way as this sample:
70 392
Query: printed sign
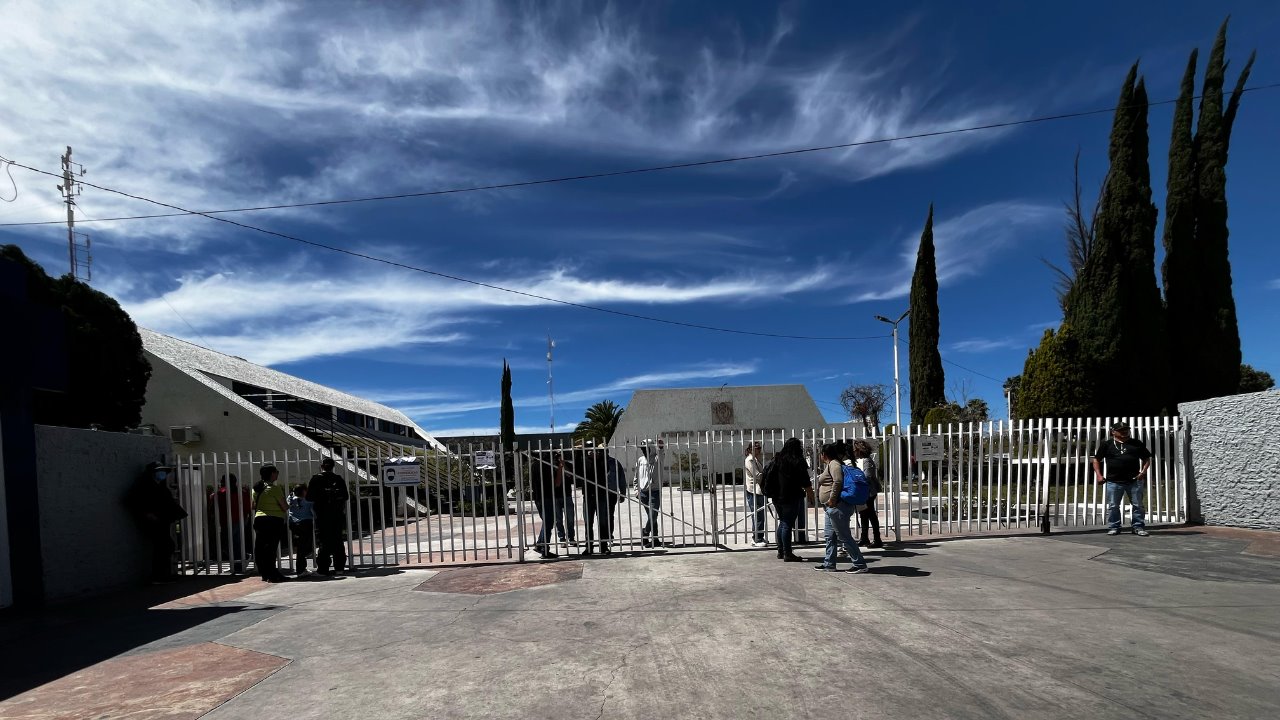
401 474
484 460
929 448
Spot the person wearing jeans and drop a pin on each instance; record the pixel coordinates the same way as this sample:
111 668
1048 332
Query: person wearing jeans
837 502
753 471
1127 461
794 488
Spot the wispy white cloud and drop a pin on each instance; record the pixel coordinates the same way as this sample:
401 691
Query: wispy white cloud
962 245
245 313
665 378
343 93
1274 284
981 345
1042 326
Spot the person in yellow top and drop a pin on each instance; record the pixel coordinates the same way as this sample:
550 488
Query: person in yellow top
269 519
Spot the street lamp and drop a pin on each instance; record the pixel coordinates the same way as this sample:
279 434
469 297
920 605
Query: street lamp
897 391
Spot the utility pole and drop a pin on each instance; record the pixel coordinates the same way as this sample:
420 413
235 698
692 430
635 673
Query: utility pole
77 243
897 392
551 393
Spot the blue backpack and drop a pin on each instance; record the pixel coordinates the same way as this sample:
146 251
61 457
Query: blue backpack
856 490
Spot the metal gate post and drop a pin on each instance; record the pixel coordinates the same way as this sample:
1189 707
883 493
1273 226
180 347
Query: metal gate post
894 456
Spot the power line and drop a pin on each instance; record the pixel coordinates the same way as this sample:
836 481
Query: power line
491 286
621 173
956 364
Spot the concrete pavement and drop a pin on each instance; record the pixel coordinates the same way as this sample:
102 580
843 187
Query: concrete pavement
1184 624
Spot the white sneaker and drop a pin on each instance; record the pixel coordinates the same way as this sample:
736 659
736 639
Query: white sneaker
759 544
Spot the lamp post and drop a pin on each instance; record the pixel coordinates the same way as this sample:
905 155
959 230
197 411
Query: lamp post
897 391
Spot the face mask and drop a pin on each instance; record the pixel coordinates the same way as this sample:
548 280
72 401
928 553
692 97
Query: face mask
161 474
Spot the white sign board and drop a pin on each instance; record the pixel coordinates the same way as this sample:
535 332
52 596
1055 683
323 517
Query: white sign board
484 460
406 474
929 448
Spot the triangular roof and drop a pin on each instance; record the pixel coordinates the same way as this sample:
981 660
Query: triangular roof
195 360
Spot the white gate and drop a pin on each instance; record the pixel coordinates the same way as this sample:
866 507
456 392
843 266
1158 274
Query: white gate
992 476
477 503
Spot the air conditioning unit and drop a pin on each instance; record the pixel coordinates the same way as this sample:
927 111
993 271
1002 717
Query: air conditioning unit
184 434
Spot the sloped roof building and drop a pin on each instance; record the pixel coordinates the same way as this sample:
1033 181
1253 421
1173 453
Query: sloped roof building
210 402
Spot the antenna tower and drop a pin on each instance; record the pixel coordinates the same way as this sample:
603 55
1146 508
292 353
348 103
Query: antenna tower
78 246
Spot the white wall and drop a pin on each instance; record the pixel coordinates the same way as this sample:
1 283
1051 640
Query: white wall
1235 460
90 541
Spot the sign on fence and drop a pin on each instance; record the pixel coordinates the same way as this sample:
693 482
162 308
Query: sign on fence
396 473
929 448
484 460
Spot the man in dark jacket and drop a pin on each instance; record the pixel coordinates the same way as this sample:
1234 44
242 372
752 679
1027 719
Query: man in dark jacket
329 498
152 502
794 487
598 478
545 479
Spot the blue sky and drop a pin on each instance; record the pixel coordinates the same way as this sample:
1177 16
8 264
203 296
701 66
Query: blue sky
214 106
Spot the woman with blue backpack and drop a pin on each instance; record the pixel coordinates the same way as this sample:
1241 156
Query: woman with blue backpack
843 490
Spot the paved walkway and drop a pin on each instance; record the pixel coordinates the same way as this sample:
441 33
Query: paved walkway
1184 624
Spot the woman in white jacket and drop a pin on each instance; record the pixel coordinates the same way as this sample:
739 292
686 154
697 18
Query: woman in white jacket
753 471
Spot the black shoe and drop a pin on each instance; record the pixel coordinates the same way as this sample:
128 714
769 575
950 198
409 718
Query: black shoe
327 573
876 544
792 558
863 542
547 554
588 551
779 554
604 548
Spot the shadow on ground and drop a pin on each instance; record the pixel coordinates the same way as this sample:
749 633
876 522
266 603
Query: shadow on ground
52 642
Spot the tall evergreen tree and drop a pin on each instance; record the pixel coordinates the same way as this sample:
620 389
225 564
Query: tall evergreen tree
1114 308
1197 271
507 420
928 383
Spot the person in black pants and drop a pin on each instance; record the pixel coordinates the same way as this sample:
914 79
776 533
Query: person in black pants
869 517
157 511
794 488
329 497
545 478
270 511
598 499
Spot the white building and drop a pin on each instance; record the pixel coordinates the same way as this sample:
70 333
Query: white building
208 402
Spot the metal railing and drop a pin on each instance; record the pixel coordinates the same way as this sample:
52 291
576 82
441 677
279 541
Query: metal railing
462 509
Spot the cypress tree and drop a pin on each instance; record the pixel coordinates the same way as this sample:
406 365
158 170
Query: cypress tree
1197 271
927 379
1056 379
1114 308
507 421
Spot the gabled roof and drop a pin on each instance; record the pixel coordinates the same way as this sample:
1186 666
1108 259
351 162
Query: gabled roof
190 357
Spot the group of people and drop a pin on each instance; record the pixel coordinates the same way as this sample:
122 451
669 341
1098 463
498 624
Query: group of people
553 477
791 491
314 514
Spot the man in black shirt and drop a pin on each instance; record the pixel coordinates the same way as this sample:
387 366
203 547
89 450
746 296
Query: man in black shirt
329 498
1127 461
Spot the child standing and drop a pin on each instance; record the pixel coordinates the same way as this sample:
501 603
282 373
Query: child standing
301 524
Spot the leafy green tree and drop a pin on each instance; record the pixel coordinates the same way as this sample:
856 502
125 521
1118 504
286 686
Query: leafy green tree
1056 380
507 420
1196 273
927 380
600 423
1254 380
107 368
1114 310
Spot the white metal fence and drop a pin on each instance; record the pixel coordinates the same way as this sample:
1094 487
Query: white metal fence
473 503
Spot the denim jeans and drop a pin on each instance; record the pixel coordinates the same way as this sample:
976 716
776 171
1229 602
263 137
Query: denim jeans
547 508
787 513
651 501
837 526
1116 492
756 506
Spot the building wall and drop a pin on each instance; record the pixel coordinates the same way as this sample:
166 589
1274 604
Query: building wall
1235 460
226 426
90 542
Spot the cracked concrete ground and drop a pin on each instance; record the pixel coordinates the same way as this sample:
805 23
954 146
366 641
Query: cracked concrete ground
961 628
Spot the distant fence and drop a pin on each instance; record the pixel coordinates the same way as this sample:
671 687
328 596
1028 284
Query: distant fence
480 503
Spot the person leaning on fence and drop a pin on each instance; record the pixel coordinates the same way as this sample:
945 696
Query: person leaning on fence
649 493
329 497
230 510
793 489
839 504
302 527
543 472
270 511
1127 461
753 468
591 475
156 509
565 507
870 518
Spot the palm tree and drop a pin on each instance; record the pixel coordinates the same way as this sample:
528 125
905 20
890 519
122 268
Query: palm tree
600 423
